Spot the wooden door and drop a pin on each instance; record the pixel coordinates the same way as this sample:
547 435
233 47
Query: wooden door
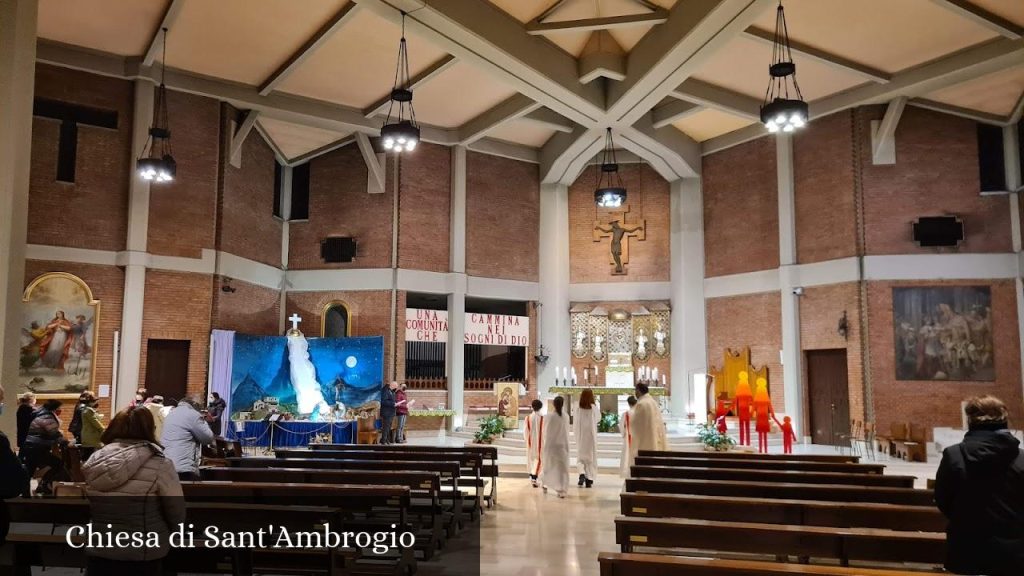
167 369
829 393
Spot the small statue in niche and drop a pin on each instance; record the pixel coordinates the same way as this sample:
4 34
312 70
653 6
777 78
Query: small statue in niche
641 344
580 347
659 340
598 351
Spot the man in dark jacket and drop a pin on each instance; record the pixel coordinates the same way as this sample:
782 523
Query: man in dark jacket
387 412
37 452
26 407
980 489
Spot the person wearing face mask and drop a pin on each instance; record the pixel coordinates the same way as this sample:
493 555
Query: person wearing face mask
26 407
43 434
92 426
387 412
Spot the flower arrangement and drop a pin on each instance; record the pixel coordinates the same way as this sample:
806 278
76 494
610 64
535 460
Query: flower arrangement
608 423
713 439
490 427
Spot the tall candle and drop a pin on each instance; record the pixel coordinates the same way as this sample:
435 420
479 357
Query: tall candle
655 373
662 380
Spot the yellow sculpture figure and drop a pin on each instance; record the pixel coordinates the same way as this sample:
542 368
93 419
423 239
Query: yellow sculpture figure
765 412
744 399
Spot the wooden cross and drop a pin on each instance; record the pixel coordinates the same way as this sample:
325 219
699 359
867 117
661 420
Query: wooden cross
295 319
620 232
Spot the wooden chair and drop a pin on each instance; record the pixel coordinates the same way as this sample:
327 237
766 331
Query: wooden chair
851 438
869 439
898 431
367 432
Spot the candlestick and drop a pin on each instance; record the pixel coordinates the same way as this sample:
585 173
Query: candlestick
662 380
655 373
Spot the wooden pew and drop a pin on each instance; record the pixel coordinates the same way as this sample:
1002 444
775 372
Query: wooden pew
490 454
24 550
474 462
797 476
795 512
425 485
862 544
749 464
618 564
752 456
784 491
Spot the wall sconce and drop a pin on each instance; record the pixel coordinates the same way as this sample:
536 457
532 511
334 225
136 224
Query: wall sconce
541 357
226 286
844 327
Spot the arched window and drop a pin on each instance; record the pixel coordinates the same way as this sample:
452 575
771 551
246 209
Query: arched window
336 322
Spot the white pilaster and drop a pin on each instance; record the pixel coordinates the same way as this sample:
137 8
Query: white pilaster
17 87
286 215
791 354
458 211
554 281
455 351
689 328
1011 161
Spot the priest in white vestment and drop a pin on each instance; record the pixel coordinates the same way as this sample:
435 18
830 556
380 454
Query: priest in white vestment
534 430
628 451
648 427
585 430
555 450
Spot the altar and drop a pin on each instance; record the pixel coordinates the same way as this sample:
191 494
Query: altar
292 433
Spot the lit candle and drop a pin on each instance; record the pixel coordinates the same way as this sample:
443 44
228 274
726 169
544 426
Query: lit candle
655 373
662 380
586 375
597 371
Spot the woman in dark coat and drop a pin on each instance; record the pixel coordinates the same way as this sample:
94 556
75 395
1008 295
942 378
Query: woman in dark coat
980 489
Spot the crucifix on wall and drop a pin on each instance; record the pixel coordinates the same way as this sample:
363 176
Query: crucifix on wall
620 232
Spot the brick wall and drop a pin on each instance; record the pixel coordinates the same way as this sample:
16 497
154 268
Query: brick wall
92 212
182 213
178 307
741 209
936 173
753 320
107 285
823 162
937 403
424 208
647 199
250 309
821 308
245 209
340 206
502 217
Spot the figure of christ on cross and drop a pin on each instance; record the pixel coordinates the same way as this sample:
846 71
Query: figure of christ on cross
618 230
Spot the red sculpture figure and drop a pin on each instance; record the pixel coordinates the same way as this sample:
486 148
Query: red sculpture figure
788 436
744 401
765 412
721 425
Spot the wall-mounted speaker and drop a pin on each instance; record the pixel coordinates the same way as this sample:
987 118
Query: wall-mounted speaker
338 249
938 231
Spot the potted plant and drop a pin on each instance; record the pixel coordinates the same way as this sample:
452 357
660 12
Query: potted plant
713 440
609 422
490 427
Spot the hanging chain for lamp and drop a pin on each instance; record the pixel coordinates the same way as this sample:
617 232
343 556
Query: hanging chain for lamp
156 162
784 107
609 192
400 131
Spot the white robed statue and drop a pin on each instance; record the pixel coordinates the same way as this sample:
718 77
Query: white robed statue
647 425
303 375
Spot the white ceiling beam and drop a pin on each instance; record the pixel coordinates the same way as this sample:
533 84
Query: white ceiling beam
167 21
549 119
376 177
672 111
309 48
670 53
565 154
1018 109
821 56
238 137
509 150
602 57
711 96
883 133
983 17
424 76
679 153
976 115
326 148
278 154
537 28
514 107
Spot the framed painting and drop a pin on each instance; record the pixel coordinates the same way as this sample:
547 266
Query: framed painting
943 333
59 335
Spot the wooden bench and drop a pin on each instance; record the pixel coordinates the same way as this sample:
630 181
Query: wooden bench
423 486
749 464
795 512
732 454
618 564
846 544
797 476
784 491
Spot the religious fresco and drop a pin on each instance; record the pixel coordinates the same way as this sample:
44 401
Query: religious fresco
59 326
943 333
350 371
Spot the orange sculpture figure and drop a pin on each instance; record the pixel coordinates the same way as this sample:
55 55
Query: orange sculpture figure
788 436
765 413
744 401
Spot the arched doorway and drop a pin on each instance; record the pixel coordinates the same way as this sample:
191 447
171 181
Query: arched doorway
335 321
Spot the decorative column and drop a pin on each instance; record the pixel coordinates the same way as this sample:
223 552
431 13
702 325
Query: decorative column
554 282
688 338
134 259
455 350
286 216
17 87
1011 162
791 354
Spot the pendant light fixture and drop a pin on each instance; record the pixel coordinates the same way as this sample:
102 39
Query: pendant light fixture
610 192
156 162
783 107
400 131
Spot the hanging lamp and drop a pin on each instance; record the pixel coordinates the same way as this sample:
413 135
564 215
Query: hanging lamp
783 107
400 131
610 192
156 162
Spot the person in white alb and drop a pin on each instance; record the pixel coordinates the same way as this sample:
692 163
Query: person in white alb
625 426
534 433
555 450
585 430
